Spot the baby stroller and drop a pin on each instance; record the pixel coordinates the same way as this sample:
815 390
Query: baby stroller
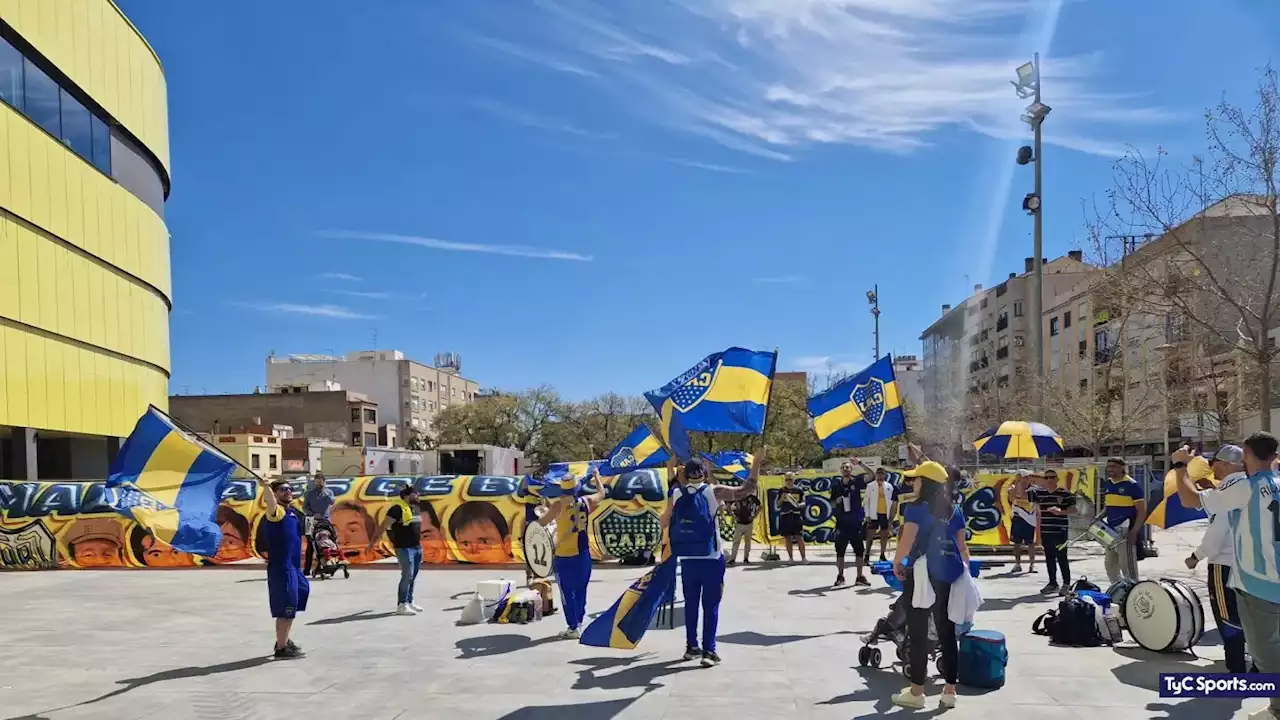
893 628
328 558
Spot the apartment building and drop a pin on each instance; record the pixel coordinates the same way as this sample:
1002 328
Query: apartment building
977 361
909 374
318 411
409 394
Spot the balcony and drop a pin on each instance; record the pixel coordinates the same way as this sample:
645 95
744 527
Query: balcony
1083 349
985 361
1002 323
1002 353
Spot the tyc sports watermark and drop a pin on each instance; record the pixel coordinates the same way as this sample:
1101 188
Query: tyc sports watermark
1212 685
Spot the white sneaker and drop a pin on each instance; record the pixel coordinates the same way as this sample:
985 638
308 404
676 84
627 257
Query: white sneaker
569 634
909 700
415 608
403 609
947 700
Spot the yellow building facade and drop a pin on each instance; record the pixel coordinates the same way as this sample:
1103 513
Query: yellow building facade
84 251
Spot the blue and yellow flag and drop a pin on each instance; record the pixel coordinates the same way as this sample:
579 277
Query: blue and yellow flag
725 392
170 483
861 411
674 435
623 625
1170 511
735 462
641 449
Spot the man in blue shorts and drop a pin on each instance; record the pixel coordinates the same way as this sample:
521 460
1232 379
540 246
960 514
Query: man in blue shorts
1022 526
287 587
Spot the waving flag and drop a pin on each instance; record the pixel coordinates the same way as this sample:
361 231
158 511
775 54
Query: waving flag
725 392
735 462
641 449
861 411
1170 511
623 625
170 483
674 435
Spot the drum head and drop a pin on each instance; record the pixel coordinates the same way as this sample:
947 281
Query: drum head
1193 623
1152 612
538 550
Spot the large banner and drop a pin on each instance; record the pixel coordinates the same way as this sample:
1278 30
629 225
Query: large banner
471 519
987 504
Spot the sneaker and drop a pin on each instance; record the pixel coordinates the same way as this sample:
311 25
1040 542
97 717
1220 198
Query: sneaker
947 700
569 634
1032 568
1064 591
883 558
1017 568
403 609
860 580
839 581
414 607
730 562
909 700
710 659
288 652
290 643
692 653
1050 588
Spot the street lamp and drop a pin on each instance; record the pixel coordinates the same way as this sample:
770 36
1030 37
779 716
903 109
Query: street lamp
873 299
1028 88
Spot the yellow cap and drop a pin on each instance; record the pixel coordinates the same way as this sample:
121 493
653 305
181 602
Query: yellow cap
929 470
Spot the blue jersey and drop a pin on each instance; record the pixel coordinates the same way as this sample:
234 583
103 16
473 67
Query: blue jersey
936 540
1252 507
283 534
1120 497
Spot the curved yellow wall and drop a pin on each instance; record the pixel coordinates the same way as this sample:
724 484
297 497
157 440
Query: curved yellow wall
84 264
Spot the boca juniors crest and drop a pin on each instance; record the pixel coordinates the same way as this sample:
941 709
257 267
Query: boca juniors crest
693 385
622 534
624 458
868 397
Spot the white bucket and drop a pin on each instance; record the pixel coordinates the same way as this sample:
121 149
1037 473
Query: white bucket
492 591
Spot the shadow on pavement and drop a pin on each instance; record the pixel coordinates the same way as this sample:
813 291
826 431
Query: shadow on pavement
353 617
1211 637
998 604
1171 661
586 711
490 645
630 675
249 580
1142 673
750 637
881 685
820 591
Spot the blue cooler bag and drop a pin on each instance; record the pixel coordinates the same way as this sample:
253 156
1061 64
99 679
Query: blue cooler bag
983 656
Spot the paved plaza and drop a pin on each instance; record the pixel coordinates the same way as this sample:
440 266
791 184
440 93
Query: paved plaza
194 644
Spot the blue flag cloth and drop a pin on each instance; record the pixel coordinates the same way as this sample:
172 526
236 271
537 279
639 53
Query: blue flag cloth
860 411
170 483
623 625
725 392
675 436
735 462
1169 511
639 450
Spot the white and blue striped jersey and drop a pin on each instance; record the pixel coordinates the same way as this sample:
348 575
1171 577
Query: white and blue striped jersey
1252 507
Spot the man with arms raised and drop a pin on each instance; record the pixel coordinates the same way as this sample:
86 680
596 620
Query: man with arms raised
287 588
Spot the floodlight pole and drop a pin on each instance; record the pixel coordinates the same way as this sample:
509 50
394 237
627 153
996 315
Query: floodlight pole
1037 284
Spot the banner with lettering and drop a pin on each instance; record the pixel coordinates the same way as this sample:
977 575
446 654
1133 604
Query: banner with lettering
472 519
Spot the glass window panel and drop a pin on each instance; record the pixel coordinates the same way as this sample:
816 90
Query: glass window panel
101 144
76 132
41 99
10 75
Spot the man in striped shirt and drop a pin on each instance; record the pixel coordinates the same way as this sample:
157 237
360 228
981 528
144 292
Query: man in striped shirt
1056 507
1252 506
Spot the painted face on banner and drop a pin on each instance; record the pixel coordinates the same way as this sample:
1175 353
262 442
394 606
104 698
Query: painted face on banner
97 552
157 554
481 542
434 549
234 547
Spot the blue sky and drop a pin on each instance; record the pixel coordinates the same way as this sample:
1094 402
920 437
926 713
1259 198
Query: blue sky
595 195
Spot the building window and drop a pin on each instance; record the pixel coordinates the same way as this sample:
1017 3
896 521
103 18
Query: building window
1066 320
355 438
1053 326
371 439
1017 308
391 467
371 416
431 386
255 463
983 305
40 99
10 75
355 414
272 462
76 130
1084 383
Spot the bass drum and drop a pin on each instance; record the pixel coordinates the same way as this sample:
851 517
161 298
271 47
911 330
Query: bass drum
1164 615
1118 592
539 549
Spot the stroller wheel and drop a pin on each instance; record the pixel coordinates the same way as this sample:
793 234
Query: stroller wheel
906 669
864 656
876 657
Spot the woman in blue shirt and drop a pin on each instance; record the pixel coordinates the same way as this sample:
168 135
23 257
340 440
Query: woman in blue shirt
934 529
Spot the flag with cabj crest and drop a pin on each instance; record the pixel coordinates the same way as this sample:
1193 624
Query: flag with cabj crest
860 411
170 482
639 450
624 624
725 392
735 462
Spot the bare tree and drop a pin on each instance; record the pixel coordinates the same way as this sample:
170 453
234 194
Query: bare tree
1214 252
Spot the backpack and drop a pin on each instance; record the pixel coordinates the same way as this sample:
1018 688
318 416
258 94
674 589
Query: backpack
983 657
1074 623
693 525
1084 584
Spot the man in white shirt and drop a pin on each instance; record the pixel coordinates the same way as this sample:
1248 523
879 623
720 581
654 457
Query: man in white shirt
1217 548
1250 504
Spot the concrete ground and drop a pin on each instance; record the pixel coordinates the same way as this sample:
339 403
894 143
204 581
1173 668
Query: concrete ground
194 644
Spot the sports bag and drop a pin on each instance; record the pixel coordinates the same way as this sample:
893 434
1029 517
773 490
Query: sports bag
693 525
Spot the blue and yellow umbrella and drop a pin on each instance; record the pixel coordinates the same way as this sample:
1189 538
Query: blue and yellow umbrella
1019 439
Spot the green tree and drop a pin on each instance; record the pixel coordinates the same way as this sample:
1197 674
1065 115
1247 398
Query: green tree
516 420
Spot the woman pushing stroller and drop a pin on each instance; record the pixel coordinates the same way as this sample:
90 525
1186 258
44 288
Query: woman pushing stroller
933 532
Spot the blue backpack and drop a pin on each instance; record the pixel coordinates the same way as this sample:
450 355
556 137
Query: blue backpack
693 525
983 656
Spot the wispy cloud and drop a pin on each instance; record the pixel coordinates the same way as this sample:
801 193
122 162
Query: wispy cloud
534 120
434 244
822 366
712 167
338 276
771 77
367 295
329 311
776 280
536 57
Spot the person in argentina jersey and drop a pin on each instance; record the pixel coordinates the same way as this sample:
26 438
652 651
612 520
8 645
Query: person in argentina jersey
1252 506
